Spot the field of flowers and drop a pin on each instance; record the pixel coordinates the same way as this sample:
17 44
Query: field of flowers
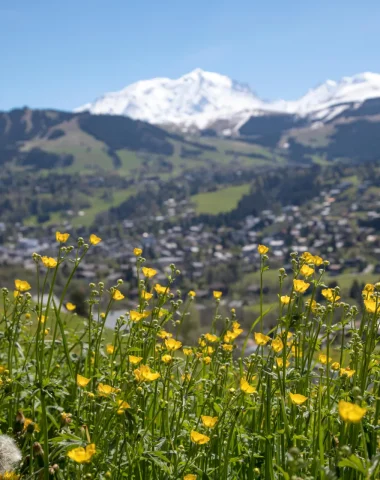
77 405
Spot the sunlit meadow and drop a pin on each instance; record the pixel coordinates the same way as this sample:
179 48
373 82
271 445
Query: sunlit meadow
137 403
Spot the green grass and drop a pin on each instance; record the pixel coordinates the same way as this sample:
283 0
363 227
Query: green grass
222 200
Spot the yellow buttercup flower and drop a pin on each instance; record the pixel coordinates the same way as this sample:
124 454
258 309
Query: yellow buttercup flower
144 374
335 366
135 316
94 239
149 272
122 406
246 387
317 260
347 372
199 438
117 295
110 349
217 294
211 337
70 306
188 351
371 306
350 412
163 334
134 360
285 299
230 336
137 251
190 476
104 390
280 362
297 398
49 262
209 422
11 476
262 249
227 347
82 381
261 339
323 359
160 289
307 271
192 294
300 286
207 360
82 455
277 344
29 421
172 344
61 237
330 295
166 358
146 295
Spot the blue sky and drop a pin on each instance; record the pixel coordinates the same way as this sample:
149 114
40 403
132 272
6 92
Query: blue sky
65 53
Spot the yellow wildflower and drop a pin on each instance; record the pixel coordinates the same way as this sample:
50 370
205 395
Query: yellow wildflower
297 398
280 362
227 348
209 422
110 349
61 237
199 438
323 359
285 299
166 358
307 257
217 294
29 421
22 285
122 406
117 295
144 374
188 351
49 262
330 295
163 334
300 286
146 295
317 260
246 387
135 316
211 337
261 339
70 306
350 412
82 381
207 360
137 251
307 271
262 249
347 372
134 360
149 272
371 307
277 344
104 390
160 289
192 294
82 455
335 366
190 476
172 344
94 239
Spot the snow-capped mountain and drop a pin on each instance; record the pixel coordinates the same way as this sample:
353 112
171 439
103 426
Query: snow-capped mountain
197 98
202 98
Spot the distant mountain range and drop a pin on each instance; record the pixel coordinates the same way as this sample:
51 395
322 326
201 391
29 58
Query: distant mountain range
203 100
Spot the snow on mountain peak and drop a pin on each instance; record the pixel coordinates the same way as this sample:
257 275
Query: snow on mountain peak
200 98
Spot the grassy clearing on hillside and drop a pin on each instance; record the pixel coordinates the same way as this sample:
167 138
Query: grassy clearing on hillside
222 200
304 404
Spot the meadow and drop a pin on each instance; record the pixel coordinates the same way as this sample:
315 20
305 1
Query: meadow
79 401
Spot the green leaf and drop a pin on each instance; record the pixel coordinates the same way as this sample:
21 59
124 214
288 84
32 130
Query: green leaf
353 462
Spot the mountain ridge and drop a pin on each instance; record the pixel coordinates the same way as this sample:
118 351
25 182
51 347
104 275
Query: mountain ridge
200 99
